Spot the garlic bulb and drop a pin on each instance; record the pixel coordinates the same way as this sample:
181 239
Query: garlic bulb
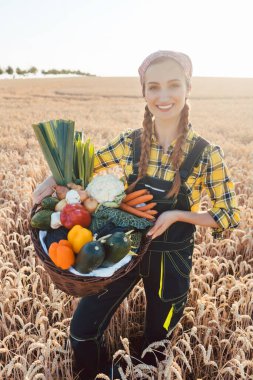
72 197
55 220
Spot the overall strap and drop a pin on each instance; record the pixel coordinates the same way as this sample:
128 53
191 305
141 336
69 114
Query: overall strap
187 165
192 157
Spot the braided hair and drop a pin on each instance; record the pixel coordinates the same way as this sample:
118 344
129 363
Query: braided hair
177 154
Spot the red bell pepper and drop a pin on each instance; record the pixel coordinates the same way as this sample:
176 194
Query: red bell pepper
73 214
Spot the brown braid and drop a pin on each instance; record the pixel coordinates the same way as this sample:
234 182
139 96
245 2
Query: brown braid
177 155
145 147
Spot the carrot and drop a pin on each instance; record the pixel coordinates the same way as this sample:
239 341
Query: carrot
148 206
134 195
135 211
141 199
152 212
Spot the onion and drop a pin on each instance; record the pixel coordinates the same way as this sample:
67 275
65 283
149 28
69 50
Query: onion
90 204
73 186
60 205
61 191
83 195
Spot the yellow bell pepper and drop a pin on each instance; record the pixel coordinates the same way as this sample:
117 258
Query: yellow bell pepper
78 236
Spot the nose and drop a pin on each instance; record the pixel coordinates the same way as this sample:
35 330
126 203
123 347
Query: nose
164 95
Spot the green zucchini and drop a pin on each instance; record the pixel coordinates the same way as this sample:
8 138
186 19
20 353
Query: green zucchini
42 219
117 246
49 203
90 257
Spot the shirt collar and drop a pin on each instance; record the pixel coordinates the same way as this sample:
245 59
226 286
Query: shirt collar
188 140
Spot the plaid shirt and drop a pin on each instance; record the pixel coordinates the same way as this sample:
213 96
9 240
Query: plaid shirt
211 174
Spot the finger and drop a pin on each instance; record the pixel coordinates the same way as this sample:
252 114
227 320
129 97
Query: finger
48 191
37 198
49 182
154 228
158 232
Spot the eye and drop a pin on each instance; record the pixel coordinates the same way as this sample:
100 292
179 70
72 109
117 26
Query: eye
152 87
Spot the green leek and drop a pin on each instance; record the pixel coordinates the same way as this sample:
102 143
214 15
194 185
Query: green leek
83 159
69 157
56 141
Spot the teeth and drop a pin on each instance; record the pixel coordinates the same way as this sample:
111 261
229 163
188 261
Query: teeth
165 107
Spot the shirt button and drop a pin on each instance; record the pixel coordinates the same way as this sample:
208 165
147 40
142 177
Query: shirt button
191 241
189 257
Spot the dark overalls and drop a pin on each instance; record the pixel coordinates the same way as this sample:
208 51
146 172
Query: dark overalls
165 270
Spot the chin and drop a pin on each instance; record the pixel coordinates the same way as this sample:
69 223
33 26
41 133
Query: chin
166 117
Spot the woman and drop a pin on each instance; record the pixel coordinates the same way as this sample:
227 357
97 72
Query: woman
170 159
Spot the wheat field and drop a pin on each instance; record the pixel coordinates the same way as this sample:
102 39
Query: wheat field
214 338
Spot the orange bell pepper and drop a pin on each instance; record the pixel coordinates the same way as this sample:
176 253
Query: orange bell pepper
62 254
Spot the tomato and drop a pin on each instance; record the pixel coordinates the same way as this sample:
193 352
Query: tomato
73 214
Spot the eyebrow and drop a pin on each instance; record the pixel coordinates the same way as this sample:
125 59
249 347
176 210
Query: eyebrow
172 80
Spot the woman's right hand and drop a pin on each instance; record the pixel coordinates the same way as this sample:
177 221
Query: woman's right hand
44 189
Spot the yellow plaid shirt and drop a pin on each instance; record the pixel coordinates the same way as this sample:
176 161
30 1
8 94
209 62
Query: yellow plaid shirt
211 174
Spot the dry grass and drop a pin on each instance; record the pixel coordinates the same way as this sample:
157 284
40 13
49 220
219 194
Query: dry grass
214 339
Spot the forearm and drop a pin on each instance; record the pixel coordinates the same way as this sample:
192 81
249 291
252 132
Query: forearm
167 218
201 218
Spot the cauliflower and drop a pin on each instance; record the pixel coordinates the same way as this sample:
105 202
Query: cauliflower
106 189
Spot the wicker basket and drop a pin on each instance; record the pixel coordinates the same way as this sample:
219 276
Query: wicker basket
75 285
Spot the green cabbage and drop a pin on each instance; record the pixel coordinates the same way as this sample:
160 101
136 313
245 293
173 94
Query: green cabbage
119 217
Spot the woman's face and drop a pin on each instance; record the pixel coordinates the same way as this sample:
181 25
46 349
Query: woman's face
165 89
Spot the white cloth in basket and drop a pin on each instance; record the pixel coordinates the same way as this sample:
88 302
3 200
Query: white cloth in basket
100 272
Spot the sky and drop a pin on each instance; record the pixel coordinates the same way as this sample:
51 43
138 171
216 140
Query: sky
113 37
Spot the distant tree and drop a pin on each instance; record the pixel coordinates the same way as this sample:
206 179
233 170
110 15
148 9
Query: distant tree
20 72
33 70
52 71
63 71
9 70
1 71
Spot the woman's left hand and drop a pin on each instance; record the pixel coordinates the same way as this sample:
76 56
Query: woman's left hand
164 221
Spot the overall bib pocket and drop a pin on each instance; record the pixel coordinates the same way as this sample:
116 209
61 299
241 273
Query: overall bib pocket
175 273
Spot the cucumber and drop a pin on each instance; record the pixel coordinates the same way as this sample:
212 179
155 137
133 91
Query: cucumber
49 203
42 219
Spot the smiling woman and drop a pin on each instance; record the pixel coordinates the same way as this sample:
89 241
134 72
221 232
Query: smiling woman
174 163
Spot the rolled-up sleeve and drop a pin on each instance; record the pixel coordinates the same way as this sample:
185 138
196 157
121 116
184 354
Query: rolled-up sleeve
220 187
111 153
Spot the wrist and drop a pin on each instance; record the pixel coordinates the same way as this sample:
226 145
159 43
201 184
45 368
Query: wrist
178 215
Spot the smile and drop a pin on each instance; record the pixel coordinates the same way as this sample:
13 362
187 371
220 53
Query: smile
165 108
